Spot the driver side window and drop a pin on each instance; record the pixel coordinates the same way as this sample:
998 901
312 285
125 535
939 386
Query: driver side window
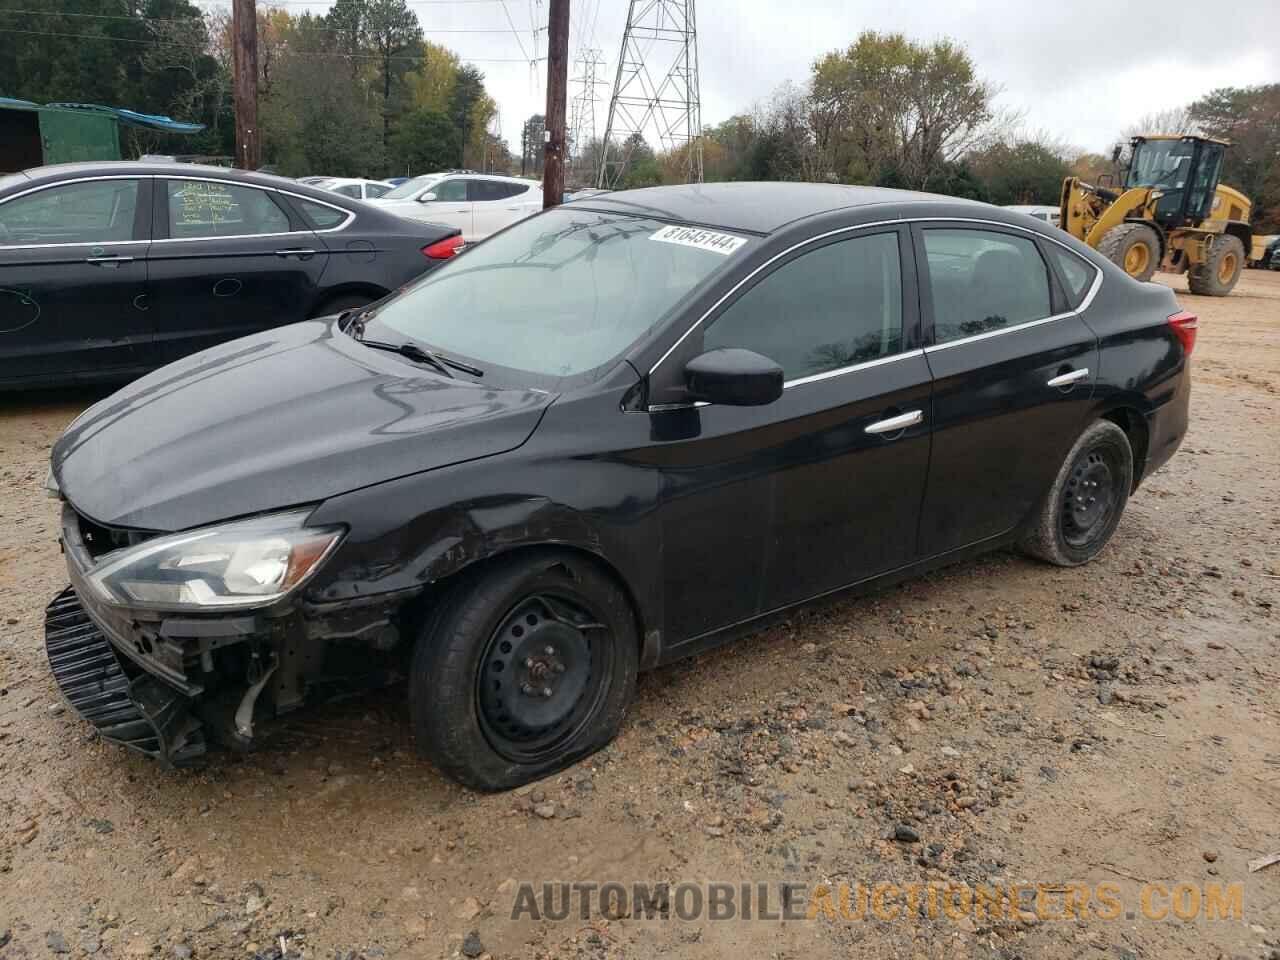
833 307
451 191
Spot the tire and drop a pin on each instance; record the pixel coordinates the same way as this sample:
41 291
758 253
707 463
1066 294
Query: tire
1072 524
336 305
544 623
1134 248
1220 272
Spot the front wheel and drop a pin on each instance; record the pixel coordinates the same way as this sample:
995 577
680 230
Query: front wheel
1134 247
523 669
1083 507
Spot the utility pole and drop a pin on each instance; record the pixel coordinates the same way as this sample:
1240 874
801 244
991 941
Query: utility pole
557 104
244 44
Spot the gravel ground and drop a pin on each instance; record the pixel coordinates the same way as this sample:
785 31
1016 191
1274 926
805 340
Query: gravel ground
998 722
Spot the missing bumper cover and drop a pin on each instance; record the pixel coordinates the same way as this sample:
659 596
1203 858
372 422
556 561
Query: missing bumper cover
143 713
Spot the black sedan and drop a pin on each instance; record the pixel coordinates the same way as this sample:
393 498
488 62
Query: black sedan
615 434
108 270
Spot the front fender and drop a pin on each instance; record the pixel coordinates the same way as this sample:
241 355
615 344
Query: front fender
409 534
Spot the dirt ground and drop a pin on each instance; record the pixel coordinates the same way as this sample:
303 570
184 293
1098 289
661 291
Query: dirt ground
1117 724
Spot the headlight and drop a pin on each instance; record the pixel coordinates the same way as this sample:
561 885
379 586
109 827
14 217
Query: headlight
51 486
249 563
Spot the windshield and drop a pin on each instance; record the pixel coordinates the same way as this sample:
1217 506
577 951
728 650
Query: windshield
558 294
409 188
1161 163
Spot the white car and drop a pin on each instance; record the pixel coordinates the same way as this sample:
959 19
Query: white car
1049 215
352 187
478 204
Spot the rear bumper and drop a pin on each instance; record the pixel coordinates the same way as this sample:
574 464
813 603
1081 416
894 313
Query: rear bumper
1167 425
139 712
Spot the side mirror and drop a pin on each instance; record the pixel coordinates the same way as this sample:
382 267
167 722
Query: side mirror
426 198
733 377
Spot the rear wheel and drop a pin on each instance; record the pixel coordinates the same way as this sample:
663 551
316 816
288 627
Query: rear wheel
1083 507
523 669
1134 247
1221 269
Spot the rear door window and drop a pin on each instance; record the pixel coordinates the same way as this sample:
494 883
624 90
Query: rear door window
97 211
206 208
983 281
486 191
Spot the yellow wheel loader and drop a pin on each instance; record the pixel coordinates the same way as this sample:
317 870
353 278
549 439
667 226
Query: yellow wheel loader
1170 213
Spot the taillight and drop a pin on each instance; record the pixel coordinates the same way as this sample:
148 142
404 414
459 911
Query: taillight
1185 325
444 249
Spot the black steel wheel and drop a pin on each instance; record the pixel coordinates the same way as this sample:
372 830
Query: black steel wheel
523 668
1082 508
1089 497
540 675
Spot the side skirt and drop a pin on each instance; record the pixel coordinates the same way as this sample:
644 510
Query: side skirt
722 635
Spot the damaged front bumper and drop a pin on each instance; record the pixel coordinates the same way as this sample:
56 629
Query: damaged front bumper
168 685
142 713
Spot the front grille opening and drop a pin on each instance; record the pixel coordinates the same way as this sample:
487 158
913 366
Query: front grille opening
100 540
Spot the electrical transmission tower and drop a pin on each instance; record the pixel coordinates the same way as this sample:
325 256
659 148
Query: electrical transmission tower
582 116
656 89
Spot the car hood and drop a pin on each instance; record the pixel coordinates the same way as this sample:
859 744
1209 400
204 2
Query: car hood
286 417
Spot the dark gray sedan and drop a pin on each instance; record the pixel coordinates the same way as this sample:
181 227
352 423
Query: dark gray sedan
108 270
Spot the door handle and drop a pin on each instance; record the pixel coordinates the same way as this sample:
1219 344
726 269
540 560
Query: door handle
295 252
1067 379
110 261
894 424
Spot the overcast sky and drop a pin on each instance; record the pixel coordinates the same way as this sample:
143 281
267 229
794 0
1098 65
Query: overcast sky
1079 70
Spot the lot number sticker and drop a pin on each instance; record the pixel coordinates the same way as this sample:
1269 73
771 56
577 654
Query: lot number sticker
721 243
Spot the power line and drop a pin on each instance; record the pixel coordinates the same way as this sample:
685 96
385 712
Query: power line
514 31
117 16
412 3
196 46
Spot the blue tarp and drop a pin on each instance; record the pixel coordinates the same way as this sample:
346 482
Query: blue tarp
133 118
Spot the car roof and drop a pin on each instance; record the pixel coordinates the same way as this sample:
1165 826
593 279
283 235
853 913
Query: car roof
1029 207
61 171
762 207
143 168
487 176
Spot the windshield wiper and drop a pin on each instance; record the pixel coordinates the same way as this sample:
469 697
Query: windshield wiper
416 353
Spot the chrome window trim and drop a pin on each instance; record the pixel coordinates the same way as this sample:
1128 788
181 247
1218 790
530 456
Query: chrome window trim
920 351
768 263
841 371
350 214
986 335
801 381
66 183
1084 304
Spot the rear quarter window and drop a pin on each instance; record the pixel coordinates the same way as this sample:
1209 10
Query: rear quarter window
1077 276
320 216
